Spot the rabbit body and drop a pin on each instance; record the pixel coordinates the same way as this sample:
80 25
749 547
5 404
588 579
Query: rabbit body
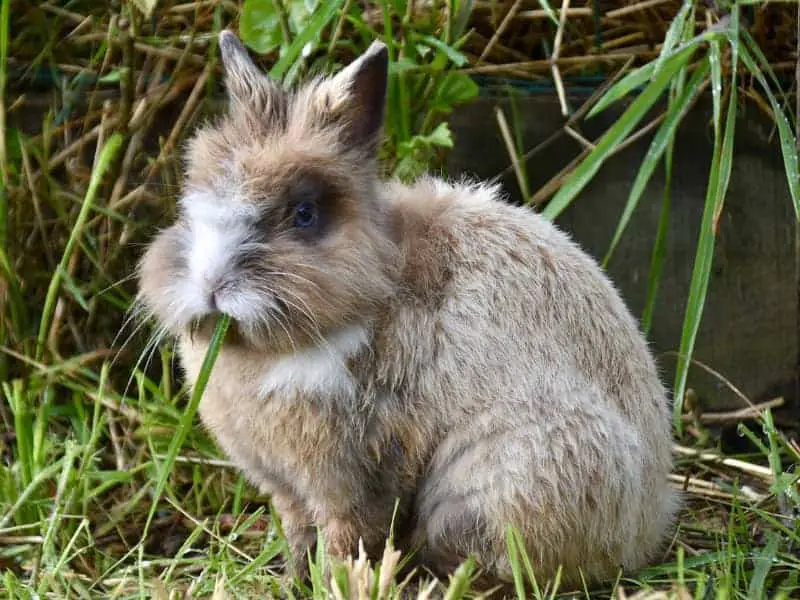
433 346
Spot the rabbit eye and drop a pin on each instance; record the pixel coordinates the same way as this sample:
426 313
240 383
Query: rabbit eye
305 214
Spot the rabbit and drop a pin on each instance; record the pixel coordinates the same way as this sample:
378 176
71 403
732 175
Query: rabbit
419 359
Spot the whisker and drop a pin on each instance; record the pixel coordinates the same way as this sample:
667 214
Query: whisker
118 283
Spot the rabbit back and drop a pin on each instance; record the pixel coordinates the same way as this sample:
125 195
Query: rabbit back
551 415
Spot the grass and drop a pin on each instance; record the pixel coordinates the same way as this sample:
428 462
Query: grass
108 488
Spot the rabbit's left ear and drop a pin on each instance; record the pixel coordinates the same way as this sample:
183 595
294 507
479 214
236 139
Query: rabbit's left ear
358 94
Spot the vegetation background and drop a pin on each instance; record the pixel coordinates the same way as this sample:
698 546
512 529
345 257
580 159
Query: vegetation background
108 488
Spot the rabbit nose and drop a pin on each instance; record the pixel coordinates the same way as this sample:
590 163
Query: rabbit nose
212 300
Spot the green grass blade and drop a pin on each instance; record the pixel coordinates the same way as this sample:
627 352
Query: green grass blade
787 139
104 161
460 580
545 4
763 562
187 417
766 67
674 34
714 58
513 558
622 88
719 177
310 31
659 246
14 297
45 475
615 135
4 28
644 73
664 136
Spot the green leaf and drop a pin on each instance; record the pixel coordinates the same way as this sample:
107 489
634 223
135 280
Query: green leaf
74 290
104 161
762 563
658 254
674 34
753 46
454 55
453 89
623 87
458 18
719 177
659 246
187 416
545 4
260 25
639 76
112 77
714 58
413 154
664 136
311 32
584 173
441 136
787 139
512 551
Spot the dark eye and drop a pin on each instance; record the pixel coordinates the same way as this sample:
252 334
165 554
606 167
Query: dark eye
305 214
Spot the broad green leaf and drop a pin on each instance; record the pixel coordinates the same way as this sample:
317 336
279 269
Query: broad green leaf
310 32
615 135
260 25
664 136
453 89
441 136
454 55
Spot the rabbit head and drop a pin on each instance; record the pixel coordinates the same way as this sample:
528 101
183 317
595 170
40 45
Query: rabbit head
279 222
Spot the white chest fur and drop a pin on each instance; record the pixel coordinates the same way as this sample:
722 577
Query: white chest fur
322 369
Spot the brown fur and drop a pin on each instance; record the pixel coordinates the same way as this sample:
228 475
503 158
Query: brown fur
425 343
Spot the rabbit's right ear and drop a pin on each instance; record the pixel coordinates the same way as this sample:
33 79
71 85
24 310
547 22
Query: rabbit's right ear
245 82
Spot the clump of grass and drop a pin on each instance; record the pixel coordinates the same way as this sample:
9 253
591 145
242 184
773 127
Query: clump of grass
108 489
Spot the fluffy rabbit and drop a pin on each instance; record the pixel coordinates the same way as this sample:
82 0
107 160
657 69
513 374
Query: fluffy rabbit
425 343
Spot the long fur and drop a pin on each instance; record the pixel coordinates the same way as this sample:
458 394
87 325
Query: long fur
434 345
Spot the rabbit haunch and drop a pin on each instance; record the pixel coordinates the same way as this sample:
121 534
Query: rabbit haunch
426 343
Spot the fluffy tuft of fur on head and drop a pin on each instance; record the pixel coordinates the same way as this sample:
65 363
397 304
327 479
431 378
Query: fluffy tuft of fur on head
237 245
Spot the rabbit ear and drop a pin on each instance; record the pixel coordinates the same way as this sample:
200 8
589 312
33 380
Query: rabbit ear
245 82
361 86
